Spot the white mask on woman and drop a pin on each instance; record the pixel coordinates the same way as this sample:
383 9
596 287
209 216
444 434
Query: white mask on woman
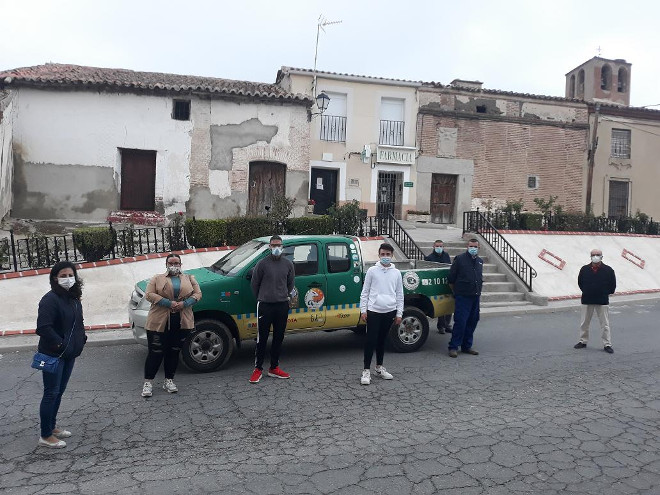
66 282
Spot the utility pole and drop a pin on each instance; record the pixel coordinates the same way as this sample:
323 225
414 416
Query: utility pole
592 159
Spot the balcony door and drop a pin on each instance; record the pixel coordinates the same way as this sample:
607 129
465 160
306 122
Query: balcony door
392 117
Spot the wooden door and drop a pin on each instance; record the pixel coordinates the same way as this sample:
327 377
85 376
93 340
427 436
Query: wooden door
323 189
266 181
138 180
443 198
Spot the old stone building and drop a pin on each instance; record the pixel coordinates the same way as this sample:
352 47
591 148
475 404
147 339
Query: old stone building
479 147
90 141
622 173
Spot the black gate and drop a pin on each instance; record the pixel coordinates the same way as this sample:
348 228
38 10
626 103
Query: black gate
390 192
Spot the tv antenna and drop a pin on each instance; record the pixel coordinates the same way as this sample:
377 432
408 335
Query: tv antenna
320 26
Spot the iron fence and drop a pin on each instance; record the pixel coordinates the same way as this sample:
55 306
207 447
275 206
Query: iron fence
572 222
391 132
333 128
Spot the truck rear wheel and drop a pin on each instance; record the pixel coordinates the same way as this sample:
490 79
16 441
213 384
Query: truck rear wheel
412 333
208 347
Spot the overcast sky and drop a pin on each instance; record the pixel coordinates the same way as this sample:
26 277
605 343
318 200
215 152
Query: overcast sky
524 46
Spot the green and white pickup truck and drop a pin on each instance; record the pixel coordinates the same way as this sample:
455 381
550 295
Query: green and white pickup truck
329 275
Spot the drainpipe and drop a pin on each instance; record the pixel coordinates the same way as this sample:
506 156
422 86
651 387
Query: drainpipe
592 159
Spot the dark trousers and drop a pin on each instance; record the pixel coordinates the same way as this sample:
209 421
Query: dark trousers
466 317
165 345
444 322
54 387
378 325
275 315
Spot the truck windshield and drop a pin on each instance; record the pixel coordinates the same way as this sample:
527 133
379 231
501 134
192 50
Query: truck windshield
231 264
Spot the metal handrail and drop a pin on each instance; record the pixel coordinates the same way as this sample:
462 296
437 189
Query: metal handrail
403 240
475 221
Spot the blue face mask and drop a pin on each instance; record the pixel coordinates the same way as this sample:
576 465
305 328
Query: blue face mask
385 260
438 250
277 251
473 251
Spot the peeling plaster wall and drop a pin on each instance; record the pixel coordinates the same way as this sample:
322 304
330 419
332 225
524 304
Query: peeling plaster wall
6 155
73 139
230 135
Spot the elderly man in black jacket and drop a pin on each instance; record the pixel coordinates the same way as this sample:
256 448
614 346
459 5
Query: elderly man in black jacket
439 255
466 281
597 281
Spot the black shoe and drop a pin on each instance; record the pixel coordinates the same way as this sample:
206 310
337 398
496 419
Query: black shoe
580 345
441 331
448 329
608 349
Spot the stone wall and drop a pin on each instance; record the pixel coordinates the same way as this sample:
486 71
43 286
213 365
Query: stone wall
6 154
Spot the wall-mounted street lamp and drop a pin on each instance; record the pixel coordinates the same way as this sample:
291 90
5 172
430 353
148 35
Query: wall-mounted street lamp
322 101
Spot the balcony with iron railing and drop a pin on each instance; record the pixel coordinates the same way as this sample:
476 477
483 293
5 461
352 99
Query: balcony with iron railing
333 128
391 132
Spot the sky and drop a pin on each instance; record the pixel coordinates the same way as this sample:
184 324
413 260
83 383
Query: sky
512 45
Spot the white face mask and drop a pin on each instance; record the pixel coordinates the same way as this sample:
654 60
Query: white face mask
596 259
66 282
174 270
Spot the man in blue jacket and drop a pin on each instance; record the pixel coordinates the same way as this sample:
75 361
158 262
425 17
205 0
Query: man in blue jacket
466 280
439 255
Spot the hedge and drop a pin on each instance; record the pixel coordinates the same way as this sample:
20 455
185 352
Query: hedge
317 225
206 233
93 242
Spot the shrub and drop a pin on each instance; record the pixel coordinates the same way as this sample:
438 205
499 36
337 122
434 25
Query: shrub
93 242
281 208
206 233
347 218
317 225
531 221
242 229
176 233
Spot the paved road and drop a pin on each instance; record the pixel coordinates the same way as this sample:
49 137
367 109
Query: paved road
529 415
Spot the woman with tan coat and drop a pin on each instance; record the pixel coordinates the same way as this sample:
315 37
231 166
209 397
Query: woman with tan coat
172 295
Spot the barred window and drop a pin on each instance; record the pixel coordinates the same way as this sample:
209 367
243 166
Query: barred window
620 143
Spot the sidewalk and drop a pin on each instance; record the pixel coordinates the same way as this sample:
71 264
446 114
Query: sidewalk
125 336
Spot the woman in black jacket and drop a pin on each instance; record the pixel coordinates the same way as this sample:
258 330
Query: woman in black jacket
62 333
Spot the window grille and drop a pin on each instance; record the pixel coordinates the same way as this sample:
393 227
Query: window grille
620 143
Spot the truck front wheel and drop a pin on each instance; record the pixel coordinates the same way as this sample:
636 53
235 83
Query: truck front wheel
412 333
208 347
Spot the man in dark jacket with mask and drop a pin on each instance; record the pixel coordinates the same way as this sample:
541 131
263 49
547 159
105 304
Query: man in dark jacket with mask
466 280
597 281
439 255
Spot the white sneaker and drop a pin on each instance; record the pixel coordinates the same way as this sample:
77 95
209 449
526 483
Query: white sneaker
366 377
383 373
147 389
62 434
168 385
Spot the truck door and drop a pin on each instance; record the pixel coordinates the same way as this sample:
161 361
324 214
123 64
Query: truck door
344 284
310 310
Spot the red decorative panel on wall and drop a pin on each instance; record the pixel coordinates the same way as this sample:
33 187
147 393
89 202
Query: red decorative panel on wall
633 258
552 259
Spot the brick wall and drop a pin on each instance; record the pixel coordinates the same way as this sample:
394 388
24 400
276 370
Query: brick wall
505 153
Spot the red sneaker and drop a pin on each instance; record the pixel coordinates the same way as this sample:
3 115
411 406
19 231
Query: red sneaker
276 372
256 376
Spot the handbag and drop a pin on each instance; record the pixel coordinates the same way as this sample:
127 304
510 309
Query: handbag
49 364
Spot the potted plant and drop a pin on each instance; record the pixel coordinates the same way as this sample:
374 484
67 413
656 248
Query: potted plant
418 216
309 208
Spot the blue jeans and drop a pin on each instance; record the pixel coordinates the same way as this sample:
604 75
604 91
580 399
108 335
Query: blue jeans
466 317
54 386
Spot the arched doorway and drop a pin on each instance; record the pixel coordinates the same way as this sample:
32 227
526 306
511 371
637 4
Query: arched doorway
266 181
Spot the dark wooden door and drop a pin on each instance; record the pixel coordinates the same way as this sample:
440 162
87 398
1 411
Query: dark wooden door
323 189
266 181
138 180
443 198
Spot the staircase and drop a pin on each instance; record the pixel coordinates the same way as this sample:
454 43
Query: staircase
498 290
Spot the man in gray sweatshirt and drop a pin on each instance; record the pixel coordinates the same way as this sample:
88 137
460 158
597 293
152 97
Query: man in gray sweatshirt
272 283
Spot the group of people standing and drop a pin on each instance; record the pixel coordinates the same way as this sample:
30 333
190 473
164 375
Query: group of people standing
172 295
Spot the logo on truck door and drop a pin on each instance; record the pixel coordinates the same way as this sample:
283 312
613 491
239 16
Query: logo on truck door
410 280
314 298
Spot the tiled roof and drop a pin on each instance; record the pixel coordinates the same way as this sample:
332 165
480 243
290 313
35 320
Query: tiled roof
503 93
122 79
311 72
